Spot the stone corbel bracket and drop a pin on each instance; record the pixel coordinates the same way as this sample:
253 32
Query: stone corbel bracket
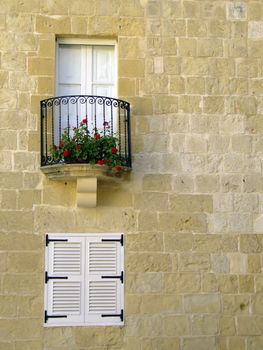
86 176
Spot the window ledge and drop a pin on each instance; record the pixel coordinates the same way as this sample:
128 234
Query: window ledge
87 176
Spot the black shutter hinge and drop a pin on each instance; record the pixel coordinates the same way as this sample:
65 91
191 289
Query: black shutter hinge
53 316
113 240
114 315
47 278
54 240
120 277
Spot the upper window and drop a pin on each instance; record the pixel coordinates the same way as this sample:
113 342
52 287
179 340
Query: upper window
84 280
86 68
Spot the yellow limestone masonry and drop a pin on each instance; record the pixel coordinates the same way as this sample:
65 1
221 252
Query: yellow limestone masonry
192 209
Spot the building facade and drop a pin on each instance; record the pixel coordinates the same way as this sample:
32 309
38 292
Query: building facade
191 209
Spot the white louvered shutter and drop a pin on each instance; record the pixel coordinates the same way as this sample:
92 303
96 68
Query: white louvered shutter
64 279
104 261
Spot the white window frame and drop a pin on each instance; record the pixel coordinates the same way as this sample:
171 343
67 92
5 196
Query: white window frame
86 316
91 42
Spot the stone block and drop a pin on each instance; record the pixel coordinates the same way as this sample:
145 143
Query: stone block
8 307
195 85
27 284
27 262
207 183
246 284
227 326
178 242
160 343
183 184
195 143
189 104
144 242
132 304
161 304
152 201
155 182
145 283
214 105
29 306
210 47
126 87
53 24
254 343
207 243
14 220
187 47
228 283
237 11
191 9
29 345
172 65
176 85
129 26
182 282
41 66
237 343
194 262
204 325
27 198
8 199
234 304
148 262
202 303
219 263
249 325
199 343
176 325
183 222
254 263
196 28
147 221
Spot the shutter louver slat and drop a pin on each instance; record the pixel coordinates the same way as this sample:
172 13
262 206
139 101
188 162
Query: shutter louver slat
102 296
102 257
66 257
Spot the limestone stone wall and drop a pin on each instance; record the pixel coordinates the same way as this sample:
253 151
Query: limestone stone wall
192 211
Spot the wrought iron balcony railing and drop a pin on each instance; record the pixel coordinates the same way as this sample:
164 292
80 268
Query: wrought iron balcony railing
99 114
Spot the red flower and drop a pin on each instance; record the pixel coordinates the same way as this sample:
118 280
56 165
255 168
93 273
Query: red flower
96 136
66 153
106 161
84 121
118 168
61 144
100 162
78 147
114 150
55 147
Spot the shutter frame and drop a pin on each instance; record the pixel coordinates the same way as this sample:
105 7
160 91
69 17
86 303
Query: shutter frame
64 291
103 271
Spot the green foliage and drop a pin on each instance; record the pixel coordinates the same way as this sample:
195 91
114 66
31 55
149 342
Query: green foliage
88 147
